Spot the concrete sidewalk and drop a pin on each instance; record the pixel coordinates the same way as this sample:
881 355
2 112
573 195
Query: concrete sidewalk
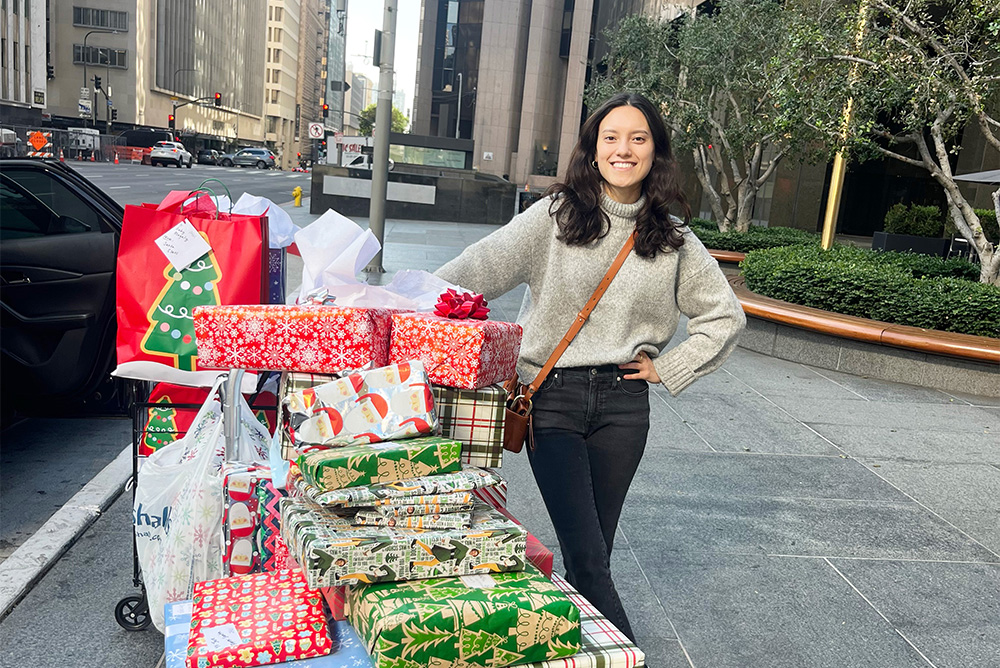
782 517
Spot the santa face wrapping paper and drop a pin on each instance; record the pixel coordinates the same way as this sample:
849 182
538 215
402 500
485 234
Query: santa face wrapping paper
401 492
387 403
503 619
321 339
470 354
388 461
255 620
333 555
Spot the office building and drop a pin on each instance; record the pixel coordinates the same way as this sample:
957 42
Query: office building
22 62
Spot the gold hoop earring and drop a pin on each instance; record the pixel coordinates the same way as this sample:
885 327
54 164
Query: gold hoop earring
593 163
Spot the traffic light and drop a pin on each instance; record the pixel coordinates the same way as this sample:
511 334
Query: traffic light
114 114
218 99
170 121
326 111
97 83
50 72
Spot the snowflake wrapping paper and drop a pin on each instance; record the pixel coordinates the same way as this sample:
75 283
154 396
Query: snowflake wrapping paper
383 404
255 620
321 339
469 354
402 492
347 649
388 461
332 554
503 619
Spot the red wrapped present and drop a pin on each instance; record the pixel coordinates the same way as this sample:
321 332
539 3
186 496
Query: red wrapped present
469 354
336 600
255 620
494 495
314 338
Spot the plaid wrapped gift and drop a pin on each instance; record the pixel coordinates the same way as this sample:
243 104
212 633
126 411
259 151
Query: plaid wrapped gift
481 620
402 492
322 339
457 353
332 555
348 650
474 417
601 644
384 462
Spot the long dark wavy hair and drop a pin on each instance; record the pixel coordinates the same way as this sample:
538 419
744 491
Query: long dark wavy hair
578 206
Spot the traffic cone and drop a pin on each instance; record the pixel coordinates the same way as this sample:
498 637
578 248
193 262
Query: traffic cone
116 157
79 156
526 187
61 158
92 158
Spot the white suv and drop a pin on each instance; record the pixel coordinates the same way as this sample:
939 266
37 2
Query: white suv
170 152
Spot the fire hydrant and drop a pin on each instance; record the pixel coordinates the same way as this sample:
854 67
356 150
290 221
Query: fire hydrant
297 194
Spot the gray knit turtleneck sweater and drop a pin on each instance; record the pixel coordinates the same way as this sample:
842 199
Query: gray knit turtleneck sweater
639 311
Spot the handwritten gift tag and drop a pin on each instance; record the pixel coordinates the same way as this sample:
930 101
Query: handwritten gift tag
182 245
218 638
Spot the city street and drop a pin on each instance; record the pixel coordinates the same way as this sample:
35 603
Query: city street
137 183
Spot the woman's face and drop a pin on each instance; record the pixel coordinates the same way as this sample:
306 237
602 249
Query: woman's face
624 153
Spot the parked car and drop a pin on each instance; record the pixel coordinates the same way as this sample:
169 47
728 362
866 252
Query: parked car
261 158
208 156
60 236
170 153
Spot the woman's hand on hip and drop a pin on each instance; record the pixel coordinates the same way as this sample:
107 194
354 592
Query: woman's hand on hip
643 367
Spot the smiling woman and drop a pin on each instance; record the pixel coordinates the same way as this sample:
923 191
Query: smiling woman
591 411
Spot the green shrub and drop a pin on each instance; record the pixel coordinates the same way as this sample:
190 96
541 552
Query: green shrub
753 239
920 221
878 286
987 218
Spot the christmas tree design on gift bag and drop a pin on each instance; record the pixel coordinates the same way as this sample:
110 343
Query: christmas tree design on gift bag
161 427
171 319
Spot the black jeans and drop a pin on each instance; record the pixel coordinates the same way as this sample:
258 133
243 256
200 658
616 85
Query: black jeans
590 432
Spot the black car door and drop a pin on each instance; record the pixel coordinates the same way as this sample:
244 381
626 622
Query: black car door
57 272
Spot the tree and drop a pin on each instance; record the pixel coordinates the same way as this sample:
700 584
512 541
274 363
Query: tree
717 79
366 122
918 73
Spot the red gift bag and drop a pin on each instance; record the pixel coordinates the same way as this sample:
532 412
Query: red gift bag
155 302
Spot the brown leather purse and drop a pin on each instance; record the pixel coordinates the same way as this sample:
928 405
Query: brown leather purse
517 421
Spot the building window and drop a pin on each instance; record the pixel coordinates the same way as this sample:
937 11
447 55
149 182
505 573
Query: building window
277 56
267 77
99 55
278 11
274 96
86 17
270 13
274 76
277 34
17 51
269 35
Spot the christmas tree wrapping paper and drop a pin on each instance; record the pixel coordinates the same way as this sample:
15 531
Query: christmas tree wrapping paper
469 354
474 417
322 339
347 650
447 487
255 620
456 520
332 554
385 462
388 403
503 619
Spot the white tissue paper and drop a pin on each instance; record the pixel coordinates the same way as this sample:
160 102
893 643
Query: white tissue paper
280 228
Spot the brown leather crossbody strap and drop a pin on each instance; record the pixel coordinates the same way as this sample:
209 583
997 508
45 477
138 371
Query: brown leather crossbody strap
581 318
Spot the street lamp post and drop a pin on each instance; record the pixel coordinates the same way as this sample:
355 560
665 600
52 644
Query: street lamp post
93 111
173 82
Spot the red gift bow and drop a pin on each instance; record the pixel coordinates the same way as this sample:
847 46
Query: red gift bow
459 306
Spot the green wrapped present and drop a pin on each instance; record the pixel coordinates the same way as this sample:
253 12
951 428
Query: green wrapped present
457 520
333 553
387 461
503 619
401 492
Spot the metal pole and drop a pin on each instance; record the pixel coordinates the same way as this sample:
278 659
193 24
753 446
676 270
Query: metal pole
458 118
230 411
383 124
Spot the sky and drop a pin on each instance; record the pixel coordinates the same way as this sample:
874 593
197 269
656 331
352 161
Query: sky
364 17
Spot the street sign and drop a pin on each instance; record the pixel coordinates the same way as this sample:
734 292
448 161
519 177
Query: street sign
316 130
85 108
37 140
85 93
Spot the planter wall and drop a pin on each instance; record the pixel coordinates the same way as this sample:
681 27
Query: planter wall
908 243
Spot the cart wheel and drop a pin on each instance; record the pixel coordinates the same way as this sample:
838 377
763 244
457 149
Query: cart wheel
132 613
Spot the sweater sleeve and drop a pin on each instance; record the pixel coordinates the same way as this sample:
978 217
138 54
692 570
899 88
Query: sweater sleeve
501 261
715 319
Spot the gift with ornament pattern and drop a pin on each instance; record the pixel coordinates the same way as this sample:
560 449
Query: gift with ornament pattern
463 353
502 619
315 338
382 404
255 620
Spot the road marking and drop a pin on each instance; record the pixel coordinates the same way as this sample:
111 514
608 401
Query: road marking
171 184
292 176
118 187
96 176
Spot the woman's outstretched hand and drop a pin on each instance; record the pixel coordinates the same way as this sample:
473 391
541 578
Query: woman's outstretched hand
643 367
